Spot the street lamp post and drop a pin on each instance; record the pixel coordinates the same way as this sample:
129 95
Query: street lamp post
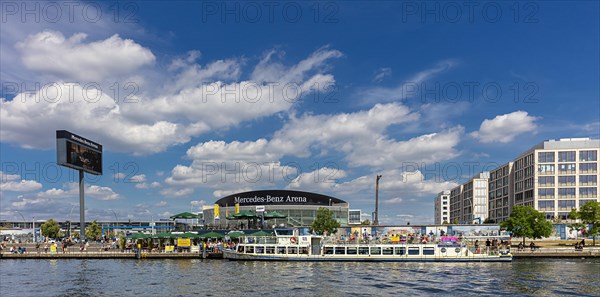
376 221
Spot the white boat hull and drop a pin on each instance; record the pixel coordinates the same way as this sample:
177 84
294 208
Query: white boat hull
232 255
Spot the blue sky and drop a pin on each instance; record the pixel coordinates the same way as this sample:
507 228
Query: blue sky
196 100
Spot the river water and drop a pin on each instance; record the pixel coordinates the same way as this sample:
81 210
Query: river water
154 277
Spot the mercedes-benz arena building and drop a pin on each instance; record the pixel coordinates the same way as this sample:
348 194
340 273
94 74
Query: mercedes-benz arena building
299 207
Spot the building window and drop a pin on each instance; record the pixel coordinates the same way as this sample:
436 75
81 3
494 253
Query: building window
529 183
546 181
519 186
546 205
566 180
588 156
544 157
566 192
567 168
546 169
529 196
519 198
583 202
566 156
588 168
546 193
588 180
563 215
566 204
588 192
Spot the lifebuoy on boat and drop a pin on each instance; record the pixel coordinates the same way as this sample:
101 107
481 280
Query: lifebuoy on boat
293 239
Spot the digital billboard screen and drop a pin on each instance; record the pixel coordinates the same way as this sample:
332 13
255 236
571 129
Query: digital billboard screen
78 153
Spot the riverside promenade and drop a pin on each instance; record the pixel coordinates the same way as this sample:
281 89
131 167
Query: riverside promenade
95 251
110 255
538 253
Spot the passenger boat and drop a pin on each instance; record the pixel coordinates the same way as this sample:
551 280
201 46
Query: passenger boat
286 245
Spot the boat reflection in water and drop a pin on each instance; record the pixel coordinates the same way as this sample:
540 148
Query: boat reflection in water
289 245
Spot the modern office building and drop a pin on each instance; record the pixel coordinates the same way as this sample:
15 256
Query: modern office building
501 193
456 204
442 208
300 208
469 201
553 176
556 176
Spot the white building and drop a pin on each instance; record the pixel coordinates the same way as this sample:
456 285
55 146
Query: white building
442 208
354 216
469 201
556 176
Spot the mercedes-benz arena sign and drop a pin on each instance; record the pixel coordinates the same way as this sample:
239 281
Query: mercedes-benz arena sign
278 197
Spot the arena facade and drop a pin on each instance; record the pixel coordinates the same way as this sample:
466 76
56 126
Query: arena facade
300 208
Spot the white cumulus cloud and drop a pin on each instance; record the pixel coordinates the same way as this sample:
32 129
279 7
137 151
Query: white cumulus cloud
504 128
73 58
22 186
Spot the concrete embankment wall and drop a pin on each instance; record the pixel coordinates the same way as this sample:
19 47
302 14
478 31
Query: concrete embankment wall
94 255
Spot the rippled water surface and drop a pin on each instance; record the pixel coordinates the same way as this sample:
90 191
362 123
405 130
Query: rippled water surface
127 277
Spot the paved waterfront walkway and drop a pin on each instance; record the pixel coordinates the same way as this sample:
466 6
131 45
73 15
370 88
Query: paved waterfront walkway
552 252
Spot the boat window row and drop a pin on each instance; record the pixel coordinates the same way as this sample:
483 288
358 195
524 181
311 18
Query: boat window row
282 250
387 251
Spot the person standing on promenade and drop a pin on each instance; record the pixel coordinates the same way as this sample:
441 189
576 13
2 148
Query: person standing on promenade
532 246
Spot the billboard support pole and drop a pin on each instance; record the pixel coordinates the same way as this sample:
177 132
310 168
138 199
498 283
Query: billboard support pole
81 207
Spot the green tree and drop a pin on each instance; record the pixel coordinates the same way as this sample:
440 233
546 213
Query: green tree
325 222
577 226
50 228
93 231
366 223
589 214
455 221
525 221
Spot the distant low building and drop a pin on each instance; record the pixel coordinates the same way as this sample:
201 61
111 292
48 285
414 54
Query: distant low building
354 216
